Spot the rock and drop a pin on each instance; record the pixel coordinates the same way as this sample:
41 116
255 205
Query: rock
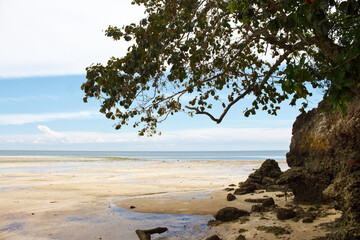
268 202
269 168
276 230
241 230
285 213
213 237
265 177
324 160
258 208
230 197
308 220
229 189
266 181
276 188
232 185
230 213
254 200
241 237
300 182
246 188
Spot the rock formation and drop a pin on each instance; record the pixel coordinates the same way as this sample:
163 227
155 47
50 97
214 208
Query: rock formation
265 177
324 158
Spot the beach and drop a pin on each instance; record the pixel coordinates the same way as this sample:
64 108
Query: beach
109 198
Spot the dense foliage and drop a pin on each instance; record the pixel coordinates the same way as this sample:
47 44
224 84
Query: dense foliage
188 55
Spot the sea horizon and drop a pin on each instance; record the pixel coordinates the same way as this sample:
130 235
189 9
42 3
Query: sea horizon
279 155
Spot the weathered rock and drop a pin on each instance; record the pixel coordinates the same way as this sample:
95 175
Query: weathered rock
230 197
214 237
276 230
324 158
263 178
268 202
308 220
241 237
266 181
305 186
230 213
246 188
276 188
254 200
258 208
285 213
270 169
229 189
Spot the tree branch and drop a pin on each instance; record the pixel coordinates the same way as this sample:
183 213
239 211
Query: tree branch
247 91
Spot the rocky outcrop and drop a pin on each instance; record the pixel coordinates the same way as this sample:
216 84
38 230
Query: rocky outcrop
266 177
230 213
324 158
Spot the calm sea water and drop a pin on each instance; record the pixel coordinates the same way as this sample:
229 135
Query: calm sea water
278 155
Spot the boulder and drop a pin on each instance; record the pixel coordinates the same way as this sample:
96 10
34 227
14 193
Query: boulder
230 197
308 220
285 213
230 213
258 208
263 178
268 202
254 200
213 237
241 237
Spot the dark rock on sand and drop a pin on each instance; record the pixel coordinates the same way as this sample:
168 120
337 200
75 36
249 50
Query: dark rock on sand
241 237
308 220
230 197
213 237
268 202
258 208
246 187
229 189
276 230
265 177
285 213
254 200
230 213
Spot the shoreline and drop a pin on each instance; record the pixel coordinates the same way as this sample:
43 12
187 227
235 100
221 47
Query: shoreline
78 200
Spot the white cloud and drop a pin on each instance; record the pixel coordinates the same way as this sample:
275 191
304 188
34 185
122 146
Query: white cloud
198 139
50 133
28 98
42 37
20 119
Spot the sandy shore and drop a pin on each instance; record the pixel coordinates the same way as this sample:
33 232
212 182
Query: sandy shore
52 198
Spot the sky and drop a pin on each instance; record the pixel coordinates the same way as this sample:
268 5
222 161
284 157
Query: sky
45 47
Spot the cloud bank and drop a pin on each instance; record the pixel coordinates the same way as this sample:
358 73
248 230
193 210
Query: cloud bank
20 119
199 139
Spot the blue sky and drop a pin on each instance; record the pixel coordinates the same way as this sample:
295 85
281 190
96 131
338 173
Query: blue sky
45 48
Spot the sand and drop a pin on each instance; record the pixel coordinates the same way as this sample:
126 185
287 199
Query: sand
83 198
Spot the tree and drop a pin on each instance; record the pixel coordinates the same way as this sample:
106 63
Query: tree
271 49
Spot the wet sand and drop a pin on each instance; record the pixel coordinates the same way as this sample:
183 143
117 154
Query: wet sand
67 198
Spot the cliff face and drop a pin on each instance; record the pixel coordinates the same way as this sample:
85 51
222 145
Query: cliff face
324 158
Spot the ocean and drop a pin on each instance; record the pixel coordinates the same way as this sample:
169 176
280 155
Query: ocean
279 155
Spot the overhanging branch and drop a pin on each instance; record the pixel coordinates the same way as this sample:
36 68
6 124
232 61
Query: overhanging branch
246 92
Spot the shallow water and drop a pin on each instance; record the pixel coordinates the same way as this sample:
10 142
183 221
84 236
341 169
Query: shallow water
179 225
